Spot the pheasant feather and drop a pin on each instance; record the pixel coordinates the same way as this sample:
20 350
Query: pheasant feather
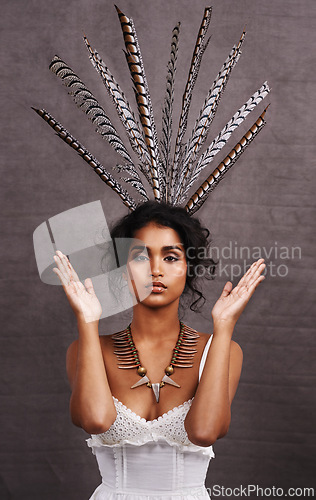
106 176
135 180
168 105
130 169
136 67
137 185
222 138
201 194
89 104
200 131
124 111
198 52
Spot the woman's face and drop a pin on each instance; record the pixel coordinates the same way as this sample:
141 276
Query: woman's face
157 266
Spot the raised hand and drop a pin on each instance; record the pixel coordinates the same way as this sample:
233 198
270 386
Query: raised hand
233 301
81 297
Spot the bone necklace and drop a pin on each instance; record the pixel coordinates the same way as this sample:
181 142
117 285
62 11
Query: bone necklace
182 356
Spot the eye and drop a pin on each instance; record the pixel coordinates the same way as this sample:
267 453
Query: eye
140 258
171 258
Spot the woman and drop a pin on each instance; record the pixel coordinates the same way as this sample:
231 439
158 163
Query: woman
155 443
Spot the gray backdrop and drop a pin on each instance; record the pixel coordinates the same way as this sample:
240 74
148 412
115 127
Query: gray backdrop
267 200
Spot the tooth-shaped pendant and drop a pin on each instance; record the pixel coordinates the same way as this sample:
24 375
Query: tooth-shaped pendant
142 381
156 388
168 380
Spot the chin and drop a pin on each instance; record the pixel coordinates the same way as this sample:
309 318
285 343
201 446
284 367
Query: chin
156 301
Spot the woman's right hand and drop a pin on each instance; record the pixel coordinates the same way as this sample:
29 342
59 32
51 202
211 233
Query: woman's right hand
81 297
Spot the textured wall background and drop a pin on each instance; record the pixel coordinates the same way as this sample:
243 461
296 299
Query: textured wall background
267 200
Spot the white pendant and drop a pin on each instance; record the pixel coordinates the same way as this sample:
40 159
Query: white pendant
156 389
141 381
168 380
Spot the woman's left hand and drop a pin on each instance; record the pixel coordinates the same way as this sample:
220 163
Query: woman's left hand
233 301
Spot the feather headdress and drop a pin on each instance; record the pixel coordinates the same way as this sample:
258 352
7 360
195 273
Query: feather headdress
171 178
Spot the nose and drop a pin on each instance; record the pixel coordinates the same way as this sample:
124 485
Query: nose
156 266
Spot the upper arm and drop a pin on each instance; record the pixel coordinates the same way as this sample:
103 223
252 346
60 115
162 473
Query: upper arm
235 365
71 362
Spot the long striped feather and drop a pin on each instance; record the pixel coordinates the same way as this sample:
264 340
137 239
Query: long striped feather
86 101
135 180
180 151
146 84
219 142
165 144
104 174
201 194
124 111
198 52
130 169
207 113
136 67
138 185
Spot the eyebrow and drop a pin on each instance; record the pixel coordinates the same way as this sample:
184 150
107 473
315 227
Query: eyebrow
165 248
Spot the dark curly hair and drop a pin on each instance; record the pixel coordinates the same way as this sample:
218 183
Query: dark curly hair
193 236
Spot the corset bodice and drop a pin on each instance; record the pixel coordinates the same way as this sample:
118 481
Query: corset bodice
141 458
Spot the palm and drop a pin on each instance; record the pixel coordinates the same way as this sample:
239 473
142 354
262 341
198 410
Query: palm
81 297
233 301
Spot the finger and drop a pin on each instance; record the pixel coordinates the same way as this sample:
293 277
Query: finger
252 271
248 272
67 265
64 272
251 281
62 266
254 285
89 286
70 268
256 272
60 276
227 289
251 287
257 276
75 275
66 268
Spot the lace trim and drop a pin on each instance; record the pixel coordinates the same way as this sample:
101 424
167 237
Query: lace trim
130 428
142 419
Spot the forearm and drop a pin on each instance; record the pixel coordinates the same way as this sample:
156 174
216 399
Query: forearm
209 416
91 403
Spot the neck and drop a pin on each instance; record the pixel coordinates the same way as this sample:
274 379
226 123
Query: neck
155 324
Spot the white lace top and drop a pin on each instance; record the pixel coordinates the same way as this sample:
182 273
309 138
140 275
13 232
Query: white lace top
133 444
132 429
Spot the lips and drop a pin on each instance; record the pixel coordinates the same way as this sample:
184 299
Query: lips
157 284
